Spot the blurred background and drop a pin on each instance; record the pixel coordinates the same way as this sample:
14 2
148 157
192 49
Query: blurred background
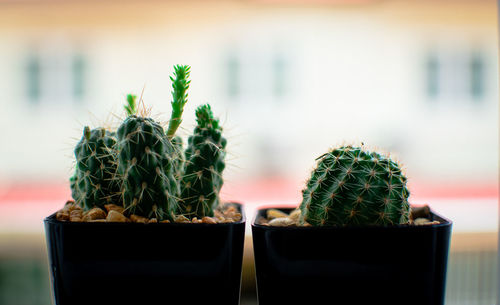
288 78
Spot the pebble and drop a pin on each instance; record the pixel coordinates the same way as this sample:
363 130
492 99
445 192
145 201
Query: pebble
181 219
420 212
295 215
62 216
114 216
76 216
424 221
95 213
273 214
114 207
207 219
282 222
137 218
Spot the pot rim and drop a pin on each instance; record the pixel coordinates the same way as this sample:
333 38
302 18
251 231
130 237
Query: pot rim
51 219
444 222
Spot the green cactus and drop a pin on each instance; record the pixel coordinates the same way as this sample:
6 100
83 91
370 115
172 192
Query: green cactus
148 166
178 158
93 184
180 84
77 185
148 186
204 164
351 186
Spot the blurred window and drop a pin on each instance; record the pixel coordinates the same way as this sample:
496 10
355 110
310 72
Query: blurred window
33 78
55 78
78 68
233 76
477 75
452 76
432 67
279 73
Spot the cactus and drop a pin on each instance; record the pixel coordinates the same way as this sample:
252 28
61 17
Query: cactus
148 186
178 158
351 186
180 84
93 183
205 155
148 166
77 185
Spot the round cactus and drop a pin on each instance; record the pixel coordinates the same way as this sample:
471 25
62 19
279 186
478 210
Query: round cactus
93 184
351 186
202 179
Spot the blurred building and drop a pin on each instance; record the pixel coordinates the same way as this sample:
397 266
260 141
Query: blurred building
417 78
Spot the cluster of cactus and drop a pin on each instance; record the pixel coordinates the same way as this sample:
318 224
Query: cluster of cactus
352 186
145 169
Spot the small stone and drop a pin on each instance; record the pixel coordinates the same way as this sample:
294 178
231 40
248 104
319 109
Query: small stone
281 222
114 216
75 207
114 207
273 213
95 213
219 219
424 221
181 219
262 221
195 220
70 206
76 216
97 220
207 219
236 217
137 218
218 213
231 209
62 216
153 220
295 215
420 212
165 221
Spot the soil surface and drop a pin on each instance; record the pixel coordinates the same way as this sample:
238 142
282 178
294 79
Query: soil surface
419 215
72 212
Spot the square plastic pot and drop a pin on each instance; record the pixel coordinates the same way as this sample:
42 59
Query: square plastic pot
135 263
351 265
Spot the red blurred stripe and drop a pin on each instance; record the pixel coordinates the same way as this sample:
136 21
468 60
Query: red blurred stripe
272 189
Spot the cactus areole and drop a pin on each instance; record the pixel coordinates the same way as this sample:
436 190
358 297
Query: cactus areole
352 186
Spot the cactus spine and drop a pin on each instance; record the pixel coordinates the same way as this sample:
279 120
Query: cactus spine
93 182
205 155
351 186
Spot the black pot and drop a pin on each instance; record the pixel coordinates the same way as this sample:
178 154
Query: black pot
351 265
134 263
